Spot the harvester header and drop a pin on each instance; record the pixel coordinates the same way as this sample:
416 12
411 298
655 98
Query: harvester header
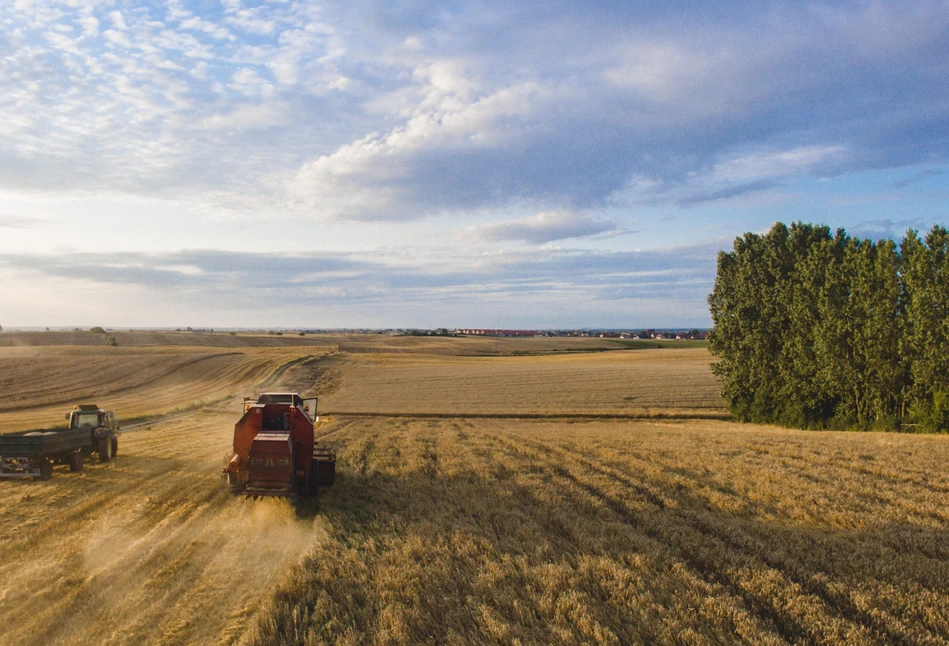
274 449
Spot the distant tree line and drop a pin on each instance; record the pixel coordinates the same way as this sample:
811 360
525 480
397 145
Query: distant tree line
815 330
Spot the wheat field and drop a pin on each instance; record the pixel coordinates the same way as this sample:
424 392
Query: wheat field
644 382
632 514
613 532
39 384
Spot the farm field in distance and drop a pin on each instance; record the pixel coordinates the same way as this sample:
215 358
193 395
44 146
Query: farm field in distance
488 491
643 382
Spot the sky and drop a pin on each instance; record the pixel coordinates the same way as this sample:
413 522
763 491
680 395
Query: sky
492 163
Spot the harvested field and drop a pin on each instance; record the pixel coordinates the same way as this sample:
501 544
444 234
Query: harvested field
350 343
149 548
454 529
152 339
641 382
39 384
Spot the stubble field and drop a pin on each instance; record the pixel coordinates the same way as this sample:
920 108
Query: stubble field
642 382
629 514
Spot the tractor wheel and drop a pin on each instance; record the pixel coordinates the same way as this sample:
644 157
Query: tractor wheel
46 470
75 461
105 449
115 446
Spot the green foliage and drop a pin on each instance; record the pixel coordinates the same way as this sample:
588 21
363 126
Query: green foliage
97 330
110 341
815 330
935 416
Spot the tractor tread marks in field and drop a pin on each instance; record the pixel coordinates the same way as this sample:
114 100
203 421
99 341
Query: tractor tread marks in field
718 567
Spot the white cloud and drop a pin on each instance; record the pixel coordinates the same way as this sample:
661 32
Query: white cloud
369 178
249 20
118 21
64 43
247 117
90 26
249 83
781 163
117 38
11 221
176 11
215 31
542 228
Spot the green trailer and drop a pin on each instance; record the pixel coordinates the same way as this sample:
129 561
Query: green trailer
32 454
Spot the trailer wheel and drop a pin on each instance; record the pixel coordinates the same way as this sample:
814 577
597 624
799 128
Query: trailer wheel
115 446
46 470
75 461
105 449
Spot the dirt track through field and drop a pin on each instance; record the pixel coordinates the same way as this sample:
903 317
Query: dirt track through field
149 548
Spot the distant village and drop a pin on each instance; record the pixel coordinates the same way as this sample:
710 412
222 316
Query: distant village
658 335
646 335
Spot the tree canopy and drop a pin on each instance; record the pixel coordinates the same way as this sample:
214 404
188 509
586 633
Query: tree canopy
818 330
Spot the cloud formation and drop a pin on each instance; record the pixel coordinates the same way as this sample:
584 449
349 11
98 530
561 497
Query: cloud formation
11 221
542 228
491 154
352 111
618 288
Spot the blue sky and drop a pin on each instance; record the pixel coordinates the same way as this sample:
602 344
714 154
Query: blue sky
232 163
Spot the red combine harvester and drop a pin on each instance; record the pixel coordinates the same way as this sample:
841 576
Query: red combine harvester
274 451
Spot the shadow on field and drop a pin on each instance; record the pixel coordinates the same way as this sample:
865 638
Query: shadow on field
123 468
554 553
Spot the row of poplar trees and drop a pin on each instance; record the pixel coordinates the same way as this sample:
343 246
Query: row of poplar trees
815 330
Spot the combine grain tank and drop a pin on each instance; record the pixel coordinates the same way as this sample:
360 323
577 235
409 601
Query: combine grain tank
274 452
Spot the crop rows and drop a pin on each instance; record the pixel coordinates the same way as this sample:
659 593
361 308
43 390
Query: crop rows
639 382
624 532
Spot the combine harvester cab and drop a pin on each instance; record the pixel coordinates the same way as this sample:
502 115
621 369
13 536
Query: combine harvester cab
274 452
